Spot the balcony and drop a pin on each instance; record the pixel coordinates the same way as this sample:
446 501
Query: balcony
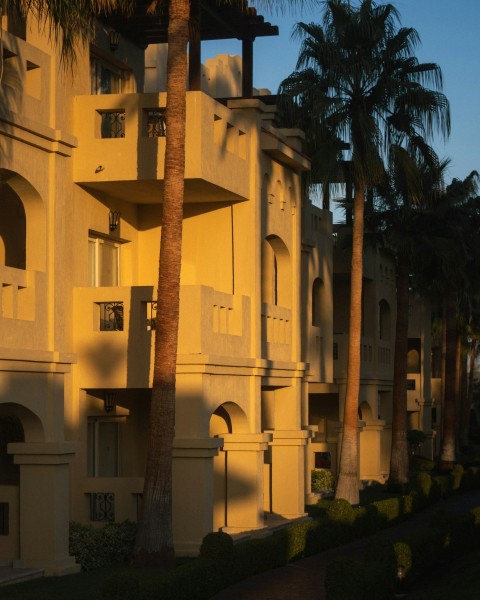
276 332
114 332
23 298
376 357
121 148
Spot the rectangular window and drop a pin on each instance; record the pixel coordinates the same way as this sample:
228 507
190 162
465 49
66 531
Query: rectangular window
104 262
102 447
105 78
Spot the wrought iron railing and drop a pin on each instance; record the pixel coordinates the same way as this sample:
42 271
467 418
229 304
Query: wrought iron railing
111 316
113 124
102 506
156 123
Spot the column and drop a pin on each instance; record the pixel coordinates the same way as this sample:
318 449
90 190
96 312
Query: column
247 67
288 473
44 505
192 492
244 480
371 451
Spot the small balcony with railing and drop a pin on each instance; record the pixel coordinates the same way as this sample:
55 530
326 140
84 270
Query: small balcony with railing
121 148
114 329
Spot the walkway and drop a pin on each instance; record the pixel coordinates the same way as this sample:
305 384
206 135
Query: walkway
9 575
303 579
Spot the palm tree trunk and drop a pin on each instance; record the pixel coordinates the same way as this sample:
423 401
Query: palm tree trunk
447 456
348 478
398 477
154 543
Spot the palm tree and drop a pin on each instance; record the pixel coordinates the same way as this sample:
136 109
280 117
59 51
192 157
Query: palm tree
154 542
449 271
414 181
355 72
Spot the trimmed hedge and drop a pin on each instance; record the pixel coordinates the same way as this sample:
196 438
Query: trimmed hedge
222 563
95 547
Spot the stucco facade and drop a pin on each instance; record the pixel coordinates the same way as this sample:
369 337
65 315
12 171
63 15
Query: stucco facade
78 303
263 309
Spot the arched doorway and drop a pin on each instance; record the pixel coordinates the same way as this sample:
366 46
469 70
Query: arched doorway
227 419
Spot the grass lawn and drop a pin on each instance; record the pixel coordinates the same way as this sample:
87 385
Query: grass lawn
458 581
82 586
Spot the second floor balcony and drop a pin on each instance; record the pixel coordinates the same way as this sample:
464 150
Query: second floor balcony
23 309
121 148
376 357
114 329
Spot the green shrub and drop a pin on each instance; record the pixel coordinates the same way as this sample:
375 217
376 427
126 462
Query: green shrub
341 511
217 546
199 579
420 463
457 474
403 552
381 569
322 480
422 483
95 547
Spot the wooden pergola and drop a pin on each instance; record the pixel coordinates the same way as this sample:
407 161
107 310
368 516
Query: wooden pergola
210 20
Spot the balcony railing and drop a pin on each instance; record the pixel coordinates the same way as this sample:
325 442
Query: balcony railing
376 356
114 341
102 506
156 122
111 316
112 124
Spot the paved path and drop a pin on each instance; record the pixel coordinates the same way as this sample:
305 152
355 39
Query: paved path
303 579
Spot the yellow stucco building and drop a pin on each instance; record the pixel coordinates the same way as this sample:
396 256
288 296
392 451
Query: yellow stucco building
261 368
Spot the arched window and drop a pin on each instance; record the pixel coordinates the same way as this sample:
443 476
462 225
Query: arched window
276 272
12 229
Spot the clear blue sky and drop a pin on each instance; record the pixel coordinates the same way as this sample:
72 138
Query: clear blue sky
450 36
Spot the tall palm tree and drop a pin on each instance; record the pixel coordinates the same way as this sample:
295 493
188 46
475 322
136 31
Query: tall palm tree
361 71
414 181
154 541
449 271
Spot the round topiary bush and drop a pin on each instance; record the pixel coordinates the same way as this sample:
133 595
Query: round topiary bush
217 546
341 511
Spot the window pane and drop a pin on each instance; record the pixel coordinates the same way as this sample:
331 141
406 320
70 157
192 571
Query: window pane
92 262
108 267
